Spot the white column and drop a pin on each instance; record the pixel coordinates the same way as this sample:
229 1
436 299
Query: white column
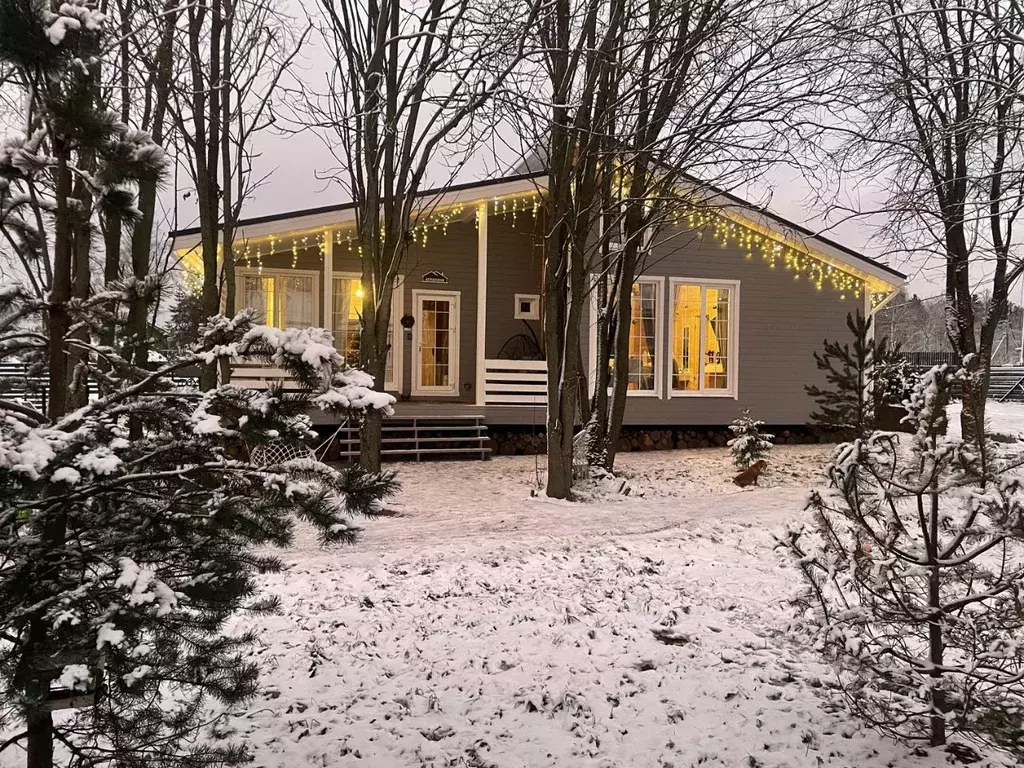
481 302
328 315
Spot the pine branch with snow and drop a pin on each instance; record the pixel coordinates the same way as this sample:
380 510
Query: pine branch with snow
162 540
749 444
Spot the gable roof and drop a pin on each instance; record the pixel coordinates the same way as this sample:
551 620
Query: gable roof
747 213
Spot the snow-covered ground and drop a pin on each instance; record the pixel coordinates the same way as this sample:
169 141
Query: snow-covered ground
1003 418
483 626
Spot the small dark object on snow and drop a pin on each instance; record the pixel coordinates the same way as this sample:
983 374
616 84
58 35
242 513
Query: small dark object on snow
748 476
441 732
671 636
963 753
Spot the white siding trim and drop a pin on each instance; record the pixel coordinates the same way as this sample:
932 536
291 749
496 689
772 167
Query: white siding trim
481 303
328 317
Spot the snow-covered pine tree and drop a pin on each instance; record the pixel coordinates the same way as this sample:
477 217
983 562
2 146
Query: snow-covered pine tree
749 444
122 559
863 377
914 566
132 524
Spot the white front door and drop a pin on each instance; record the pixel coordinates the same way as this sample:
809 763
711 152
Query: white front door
435 353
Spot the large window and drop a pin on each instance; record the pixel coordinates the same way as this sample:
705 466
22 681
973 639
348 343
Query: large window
284 299
646 351
346 316
702 332
644 338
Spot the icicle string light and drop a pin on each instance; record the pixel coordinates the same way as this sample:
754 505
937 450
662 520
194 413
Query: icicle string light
776 253
723 230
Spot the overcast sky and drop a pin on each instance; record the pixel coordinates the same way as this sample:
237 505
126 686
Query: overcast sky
295 166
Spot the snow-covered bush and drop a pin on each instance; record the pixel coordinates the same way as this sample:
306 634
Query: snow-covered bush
914 566
749 444
121 559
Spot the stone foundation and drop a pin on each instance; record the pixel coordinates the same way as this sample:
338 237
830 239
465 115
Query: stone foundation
529 441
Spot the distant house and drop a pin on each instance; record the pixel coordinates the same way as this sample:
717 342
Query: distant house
727 313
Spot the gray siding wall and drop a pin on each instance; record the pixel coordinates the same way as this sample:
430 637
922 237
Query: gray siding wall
454 254
782 322
514 265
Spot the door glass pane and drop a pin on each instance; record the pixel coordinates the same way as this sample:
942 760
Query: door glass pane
716 363
642 332
435 343
686 337
297 300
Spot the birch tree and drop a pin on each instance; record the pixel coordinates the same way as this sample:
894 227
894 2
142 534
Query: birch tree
403 91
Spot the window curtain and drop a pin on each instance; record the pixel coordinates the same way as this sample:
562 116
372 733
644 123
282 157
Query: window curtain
650 332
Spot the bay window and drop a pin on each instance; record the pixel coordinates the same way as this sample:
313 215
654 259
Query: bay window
702 337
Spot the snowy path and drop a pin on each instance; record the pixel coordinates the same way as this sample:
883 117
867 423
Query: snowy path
484 627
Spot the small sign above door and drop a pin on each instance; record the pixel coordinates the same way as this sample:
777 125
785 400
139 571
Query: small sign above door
434 277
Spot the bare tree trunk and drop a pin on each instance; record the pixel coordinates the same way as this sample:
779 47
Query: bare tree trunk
620 374
227 201
935 643
39 720
205 142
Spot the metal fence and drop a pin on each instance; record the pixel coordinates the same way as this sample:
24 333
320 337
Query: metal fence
19 384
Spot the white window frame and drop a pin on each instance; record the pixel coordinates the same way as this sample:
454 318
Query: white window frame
397 335
659 337
534 313
418 390
732 390
243 272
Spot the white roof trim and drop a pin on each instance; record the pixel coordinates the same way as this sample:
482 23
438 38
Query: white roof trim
331 219
313 222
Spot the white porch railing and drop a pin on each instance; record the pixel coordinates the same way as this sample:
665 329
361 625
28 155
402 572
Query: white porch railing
255 376
515 382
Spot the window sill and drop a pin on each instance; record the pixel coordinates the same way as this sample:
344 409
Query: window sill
449 393
721 394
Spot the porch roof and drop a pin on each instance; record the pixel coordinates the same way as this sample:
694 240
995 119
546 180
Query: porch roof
316 219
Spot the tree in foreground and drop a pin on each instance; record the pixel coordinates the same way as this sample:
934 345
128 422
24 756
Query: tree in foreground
403 90
749 444
914 569
122 560
132 522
